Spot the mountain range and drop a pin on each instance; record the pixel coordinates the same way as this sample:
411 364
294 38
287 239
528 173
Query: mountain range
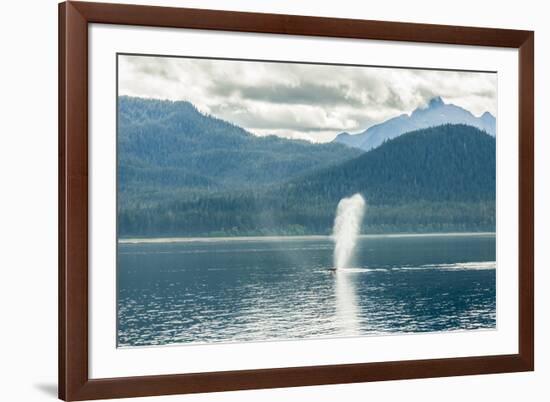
166 146
184 173
435 113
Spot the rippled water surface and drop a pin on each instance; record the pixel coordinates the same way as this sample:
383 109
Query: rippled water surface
234 290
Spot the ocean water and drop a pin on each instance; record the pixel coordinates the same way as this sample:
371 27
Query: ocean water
180 291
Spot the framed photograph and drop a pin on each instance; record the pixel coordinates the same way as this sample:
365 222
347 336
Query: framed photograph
258 200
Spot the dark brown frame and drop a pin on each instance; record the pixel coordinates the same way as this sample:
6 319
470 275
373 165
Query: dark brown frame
74 382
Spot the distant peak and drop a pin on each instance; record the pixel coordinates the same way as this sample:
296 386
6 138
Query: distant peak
487 115
436 101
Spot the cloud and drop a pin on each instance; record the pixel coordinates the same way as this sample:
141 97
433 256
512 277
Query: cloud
307 101
307 93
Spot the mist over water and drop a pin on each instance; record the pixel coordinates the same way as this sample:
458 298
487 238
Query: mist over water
347 227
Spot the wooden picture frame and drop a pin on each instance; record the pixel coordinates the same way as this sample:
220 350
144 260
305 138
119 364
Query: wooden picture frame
74 381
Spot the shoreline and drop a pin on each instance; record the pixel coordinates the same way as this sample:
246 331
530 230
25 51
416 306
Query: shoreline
155 240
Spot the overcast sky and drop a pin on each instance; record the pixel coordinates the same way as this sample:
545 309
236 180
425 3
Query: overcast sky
313 102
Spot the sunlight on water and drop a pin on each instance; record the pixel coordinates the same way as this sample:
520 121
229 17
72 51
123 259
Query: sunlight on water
257 290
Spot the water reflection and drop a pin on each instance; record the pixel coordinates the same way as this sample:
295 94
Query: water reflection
278 289
347 310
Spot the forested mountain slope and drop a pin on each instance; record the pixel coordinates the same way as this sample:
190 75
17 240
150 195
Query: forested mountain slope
170 147
436 179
